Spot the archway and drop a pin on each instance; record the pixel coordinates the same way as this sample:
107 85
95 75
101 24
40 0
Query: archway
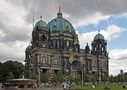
77 68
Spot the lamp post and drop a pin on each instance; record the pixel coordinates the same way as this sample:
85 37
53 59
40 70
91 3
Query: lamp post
39 75
82 74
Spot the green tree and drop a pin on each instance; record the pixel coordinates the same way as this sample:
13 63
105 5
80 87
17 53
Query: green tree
60 78
93 78
10 76
71 78
1 72
11 69
44 78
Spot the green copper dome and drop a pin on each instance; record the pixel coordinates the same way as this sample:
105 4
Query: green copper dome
61 25
29 48
41 24
99 36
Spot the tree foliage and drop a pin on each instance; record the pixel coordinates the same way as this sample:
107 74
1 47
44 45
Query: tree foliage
118 78
11 69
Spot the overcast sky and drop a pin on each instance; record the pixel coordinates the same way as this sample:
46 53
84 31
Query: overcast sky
87 17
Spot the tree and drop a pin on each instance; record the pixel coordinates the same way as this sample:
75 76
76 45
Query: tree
93 78
10 76
44 78
71 78
11 69
1 72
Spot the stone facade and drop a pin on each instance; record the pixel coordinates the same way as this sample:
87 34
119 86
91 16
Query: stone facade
55 49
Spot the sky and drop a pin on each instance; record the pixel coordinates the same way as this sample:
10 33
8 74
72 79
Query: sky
87 17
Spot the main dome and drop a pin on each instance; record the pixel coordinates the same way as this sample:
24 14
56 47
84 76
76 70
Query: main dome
61 25
99 36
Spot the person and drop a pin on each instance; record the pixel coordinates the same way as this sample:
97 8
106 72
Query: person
64 86
93 86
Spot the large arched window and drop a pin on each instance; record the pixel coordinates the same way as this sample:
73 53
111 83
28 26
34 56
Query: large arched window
44 59
56 61
67 43
54 43
57 43
43 38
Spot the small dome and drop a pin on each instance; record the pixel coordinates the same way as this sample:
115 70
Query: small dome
41 24
29 48
99 36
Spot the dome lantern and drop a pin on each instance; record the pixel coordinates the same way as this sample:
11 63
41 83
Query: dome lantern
59 14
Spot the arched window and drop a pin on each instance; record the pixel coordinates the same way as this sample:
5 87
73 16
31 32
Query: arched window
67 43
54 43
43 38
56 61
57 43
44 59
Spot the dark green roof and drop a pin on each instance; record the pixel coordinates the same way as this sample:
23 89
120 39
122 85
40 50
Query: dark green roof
61 25
41 24
29 48
99 36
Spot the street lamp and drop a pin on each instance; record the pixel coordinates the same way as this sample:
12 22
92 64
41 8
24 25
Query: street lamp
82 74
39 74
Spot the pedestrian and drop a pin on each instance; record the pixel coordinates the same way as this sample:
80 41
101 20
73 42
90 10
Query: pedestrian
93 86
64 86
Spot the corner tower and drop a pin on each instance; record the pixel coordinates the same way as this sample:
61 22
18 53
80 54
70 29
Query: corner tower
40 35
99 43
99 50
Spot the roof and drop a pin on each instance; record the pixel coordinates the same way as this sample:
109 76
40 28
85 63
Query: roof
28 49
61 25
40 24
99 36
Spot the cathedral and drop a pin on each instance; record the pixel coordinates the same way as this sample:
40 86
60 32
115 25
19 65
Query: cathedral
55 49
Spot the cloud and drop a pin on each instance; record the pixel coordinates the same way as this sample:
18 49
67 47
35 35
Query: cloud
12 22
91 19
78 10
110 33
15 32
117 61
119 54
88 7
13 51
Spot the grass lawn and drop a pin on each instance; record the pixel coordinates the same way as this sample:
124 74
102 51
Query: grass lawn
98 87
